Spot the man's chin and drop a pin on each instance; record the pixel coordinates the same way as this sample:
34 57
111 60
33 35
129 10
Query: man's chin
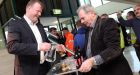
88 25
138 17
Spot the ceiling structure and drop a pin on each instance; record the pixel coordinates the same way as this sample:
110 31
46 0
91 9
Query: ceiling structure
1 1
112 7
52 20
126 1
109 8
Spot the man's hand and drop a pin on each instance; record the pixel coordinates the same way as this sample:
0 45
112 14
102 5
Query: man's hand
60 48
44 46
87 65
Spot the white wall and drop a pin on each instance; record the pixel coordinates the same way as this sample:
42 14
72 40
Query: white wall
112 7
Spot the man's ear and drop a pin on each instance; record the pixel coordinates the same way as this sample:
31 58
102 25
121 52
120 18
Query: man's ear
27 9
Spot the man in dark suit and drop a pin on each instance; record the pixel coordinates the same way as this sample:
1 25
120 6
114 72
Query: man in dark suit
102 52
26 39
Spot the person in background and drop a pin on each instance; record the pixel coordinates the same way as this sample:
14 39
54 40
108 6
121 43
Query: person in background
102 53
132 36
79 39
124 36
54 32
74 31
130 15
104 16
135 24
58 38
69 43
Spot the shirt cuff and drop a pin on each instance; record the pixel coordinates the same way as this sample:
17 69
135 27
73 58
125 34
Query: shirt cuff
98 60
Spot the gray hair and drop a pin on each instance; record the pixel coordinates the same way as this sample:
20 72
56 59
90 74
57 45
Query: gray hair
86 8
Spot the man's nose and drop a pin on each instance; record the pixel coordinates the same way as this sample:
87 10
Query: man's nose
39 14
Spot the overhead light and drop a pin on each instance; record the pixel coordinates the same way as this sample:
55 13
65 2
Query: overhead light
57 11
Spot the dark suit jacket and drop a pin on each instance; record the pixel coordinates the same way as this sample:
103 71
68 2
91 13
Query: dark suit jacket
22 43
105 41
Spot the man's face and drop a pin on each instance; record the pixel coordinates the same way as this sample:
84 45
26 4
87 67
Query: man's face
86 18
128 17
137 11
34 12
54 32
65 31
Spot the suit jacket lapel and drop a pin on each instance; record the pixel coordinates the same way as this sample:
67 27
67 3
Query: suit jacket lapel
28 29
95 33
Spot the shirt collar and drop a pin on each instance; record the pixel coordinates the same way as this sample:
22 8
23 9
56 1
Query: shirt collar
93 23
29 21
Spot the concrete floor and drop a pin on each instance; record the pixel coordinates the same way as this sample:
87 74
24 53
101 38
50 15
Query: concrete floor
7 61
